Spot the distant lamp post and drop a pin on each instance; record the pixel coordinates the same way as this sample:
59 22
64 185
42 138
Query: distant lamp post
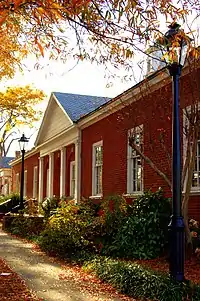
177 49
22 143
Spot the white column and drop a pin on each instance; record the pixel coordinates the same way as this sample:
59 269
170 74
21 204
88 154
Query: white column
51 174
77 169
62 171
3 185
10 185
41 179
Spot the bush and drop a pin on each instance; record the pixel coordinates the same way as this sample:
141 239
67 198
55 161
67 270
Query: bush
113 211
143 234
65 231
139 282
24 226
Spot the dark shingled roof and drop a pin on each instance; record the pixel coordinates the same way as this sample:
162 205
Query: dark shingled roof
77 106
4 162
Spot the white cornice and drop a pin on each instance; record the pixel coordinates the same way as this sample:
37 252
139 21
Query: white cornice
27 155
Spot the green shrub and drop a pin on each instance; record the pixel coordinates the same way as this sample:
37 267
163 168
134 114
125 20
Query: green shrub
143 234
139 282
112 213
25 226
65 231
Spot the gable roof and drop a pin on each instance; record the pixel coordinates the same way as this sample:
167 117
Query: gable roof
4 162
77 106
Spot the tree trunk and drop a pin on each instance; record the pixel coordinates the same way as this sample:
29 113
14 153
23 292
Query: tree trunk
190 168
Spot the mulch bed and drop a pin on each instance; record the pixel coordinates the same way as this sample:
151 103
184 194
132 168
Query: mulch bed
192 267
12 287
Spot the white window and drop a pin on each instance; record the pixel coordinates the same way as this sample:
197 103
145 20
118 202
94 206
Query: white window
196 173
134 162
17 182
35 181
72 179
25 183
195 187
97 167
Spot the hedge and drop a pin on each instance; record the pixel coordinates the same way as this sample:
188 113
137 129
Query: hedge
25 226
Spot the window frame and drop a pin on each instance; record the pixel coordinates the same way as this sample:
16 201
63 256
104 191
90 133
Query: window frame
94 178
130 157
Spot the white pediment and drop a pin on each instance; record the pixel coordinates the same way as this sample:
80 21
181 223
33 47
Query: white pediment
55 121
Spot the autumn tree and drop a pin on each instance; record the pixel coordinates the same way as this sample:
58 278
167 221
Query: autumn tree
98 30
18 107
11 55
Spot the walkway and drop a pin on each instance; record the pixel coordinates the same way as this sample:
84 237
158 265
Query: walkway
46 278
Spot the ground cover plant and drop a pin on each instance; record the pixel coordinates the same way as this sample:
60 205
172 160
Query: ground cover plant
137 281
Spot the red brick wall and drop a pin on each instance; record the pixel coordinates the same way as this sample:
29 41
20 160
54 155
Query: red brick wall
29 165
113 131
154 112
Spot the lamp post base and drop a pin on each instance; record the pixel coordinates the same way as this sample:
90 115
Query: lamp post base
177 242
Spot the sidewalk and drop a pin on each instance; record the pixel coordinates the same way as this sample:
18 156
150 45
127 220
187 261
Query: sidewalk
47 279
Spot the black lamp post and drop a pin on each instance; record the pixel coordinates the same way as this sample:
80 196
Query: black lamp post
177 47
22 143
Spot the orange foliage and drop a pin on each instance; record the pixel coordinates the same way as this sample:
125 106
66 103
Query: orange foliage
17 108
104 30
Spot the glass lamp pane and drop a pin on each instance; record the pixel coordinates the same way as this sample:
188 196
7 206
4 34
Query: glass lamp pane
183 54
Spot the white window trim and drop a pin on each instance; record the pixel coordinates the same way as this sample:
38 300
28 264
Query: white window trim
35 181
72 163
130 192
194 190
94 194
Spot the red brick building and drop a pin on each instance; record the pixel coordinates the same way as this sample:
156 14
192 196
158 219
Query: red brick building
82 146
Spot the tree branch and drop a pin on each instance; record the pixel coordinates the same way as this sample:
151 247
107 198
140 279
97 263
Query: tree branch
148 160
